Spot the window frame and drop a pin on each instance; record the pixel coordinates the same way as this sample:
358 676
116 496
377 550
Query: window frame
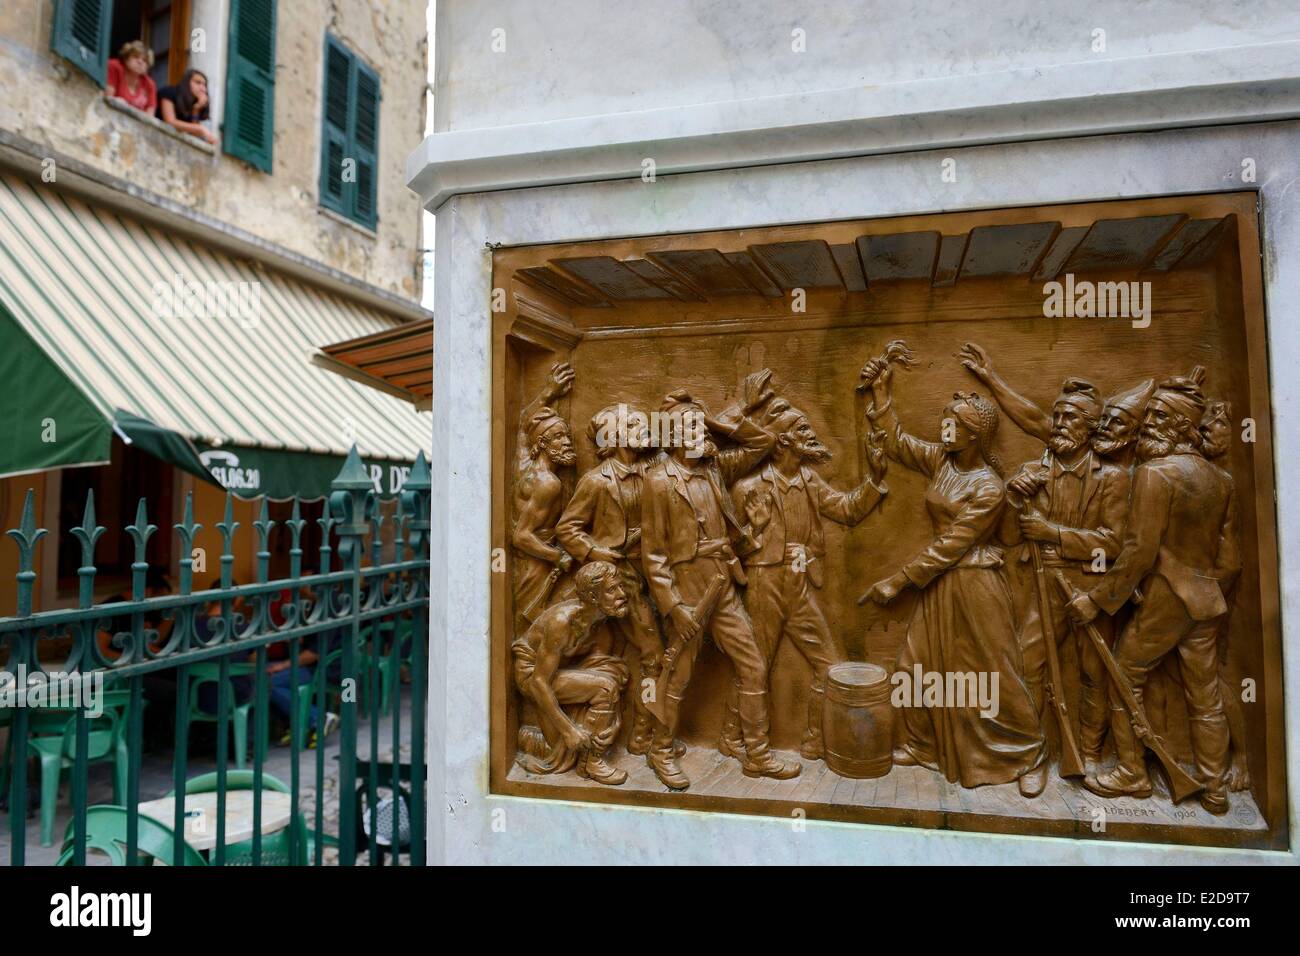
346 202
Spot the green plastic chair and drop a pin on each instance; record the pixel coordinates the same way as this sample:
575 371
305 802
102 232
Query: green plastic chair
106 832
275 846
306 695
209 672
398 633
402 634
53 741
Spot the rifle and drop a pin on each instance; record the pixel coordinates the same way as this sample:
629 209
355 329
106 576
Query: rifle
537 603
1071 759
1181 783
700 613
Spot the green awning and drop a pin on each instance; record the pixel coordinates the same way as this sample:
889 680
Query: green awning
199 358
48 421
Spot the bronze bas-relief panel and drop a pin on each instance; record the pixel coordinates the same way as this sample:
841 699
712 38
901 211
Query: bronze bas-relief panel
924 544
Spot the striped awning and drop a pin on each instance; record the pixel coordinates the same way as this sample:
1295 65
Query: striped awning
161 334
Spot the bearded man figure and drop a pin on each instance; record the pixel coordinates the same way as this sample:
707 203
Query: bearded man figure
558 667
691 538
602 522
543 446
1216 439
1072 505
1179 543
784 503
1116 429
1115 437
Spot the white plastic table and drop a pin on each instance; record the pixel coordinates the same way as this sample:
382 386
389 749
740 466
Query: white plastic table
201 815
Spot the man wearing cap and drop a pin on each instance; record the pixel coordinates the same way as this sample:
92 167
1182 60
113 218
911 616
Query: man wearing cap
1216 439
1072 505
602 522
691 534
784 503
1116 435
1116 430
1180 536
543 446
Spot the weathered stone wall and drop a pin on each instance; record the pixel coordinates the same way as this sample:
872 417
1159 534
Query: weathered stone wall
51 103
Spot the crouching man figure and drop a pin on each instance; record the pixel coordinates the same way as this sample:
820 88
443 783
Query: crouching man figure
577 690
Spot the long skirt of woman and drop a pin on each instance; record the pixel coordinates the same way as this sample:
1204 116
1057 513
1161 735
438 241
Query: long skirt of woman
963 624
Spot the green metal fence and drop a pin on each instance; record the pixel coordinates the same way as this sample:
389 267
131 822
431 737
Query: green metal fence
351 610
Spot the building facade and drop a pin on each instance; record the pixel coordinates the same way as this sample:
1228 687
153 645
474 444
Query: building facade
178 282
270 184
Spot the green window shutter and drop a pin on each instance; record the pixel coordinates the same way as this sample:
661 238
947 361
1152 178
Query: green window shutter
365 144
336 122
248 130
80 35
349 136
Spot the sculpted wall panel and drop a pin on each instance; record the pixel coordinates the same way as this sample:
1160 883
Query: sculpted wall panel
982 540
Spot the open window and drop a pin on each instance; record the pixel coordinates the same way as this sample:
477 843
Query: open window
163 26
88 32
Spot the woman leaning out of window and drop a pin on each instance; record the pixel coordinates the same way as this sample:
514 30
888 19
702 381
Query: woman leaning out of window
129 79
185 106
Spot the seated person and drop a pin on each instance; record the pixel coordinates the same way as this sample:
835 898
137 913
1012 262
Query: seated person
283 695
129 79
185 106
206 627
280 693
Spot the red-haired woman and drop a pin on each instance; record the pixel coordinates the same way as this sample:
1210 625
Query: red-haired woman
129 79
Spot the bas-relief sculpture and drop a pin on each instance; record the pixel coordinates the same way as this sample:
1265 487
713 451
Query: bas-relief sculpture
1128 524
1073 609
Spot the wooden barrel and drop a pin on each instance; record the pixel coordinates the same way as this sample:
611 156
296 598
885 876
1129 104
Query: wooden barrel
858 721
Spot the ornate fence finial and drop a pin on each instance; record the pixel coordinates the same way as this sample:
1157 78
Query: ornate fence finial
227 526
185 531
140 532
348 498
295 524
263 524
26 534
416 504
376 523
87 534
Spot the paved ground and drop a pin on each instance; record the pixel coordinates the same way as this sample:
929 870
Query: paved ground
156 781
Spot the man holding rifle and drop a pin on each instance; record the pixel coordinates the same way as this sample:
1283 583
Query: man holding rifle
1072 505
689 537
1179 545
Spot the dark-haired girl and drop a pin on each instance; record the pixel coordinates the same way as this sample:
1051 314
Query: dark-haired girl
185 106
